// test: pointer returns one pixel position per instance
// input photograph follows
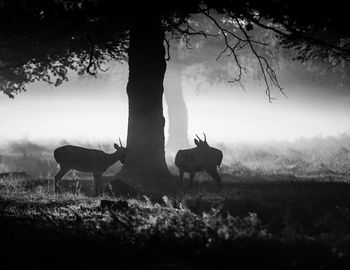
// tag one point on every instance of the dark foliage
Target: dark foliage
(43, 40)
(270, 225)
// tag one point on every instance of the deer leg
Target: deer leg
(192, 174)
(181, 174)
(58, 178)
(214, 174)
(98, 184)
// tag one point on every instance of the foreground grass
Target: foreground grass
(273, 225)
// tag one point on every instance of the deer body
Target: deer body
(71, 157)
(201, 158)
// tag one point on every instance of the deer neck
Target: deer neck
(112, 158)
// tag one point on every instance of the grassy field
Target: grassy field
(270, 222)
(283, 206)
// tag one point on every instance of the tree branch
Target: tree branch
(341, 51)
(92, 64)
(267, 71)
(232, 50)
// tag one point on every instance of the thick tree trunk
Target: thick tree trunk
(145, 162)
(177, 110)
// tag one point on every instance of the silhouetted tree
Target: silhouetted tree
(177, 109)
(43, 39)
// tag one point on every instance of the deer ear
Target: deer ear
(116, 146)
(196, 142)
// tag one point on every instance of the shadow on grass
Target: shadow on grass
(305, 225)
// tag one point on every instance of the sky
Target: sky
(86, 109)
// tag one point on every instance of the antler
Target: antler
(121, 145)
(205, 137)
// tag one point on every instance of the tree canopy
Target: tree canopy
(43, 39)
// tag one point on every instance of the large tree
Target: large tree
(43, 39)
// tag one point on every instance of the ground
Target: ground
(270, 222)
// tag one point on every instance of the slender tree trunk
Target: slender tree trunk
(177, 110)
(145, 162)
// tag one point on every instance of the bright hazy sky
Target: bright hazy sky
(87, 109)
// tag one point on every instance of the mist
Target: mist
(321, 157)
(88, 110)
(238, 117)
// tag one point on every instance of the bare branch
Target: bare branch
(266, 70)
(186, 39)
(92, 64)
(269, 75)
(100, 68)
(232, 49)
(221, 53)
(190, 31)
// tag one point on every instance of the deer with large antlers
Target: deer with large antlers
(94, 161)
(201, 158)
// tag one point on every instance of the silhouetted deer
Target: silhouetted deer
(201, 158)
(81, 159)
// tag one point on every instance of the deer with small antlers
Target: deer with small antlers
(201, 158)
(94, 161)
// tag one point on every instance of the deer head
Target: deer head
(200, 142)
(120, 151)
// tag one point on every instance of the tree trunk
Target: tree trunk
(145, 161)
(177, 110)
